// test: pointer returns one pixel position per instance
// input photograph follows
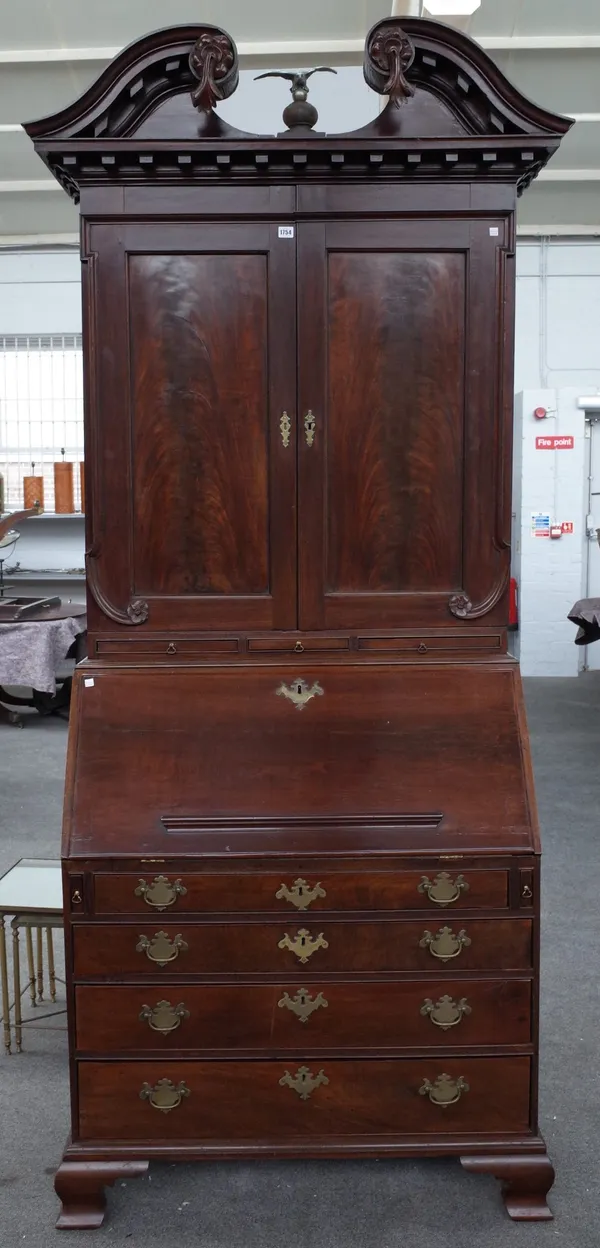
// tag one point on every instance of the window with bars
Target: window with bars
(41, 412)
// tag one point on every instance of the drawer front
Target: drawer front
(447, 643)
(283, 947)
(168, 646)
(297, 645)
(300, 892)
(316, 1015)
(294, 1100)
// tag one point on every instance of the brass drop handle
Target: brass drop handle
(303, 1004)
(300, 894)
(444, 890)
(303, 944)
(527, 891)
(445, 1090)
(171, 648)
(310, 426)
(303, 1082)
(165, 1095)
(445, 1013)
(160, 893)
(445, 945)
(161, 949)
(163, 1016)
(76, 898)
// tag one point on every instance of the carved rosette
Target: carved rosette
(389, 53)
(461, 606)
(138, 611)
(214, 62)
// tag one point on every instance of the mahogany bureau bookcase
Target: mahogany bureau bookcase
(301, 856)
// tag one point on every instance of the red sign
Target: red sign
(567, 526)
(555, 443)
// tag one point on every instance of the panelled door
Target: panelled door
(194, 477)
(399, 423)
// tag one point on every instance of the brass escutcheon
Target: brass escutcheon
(303, 1004)
(303, 1082)
(161, 893)
(163, 1016)
(310, 426)
(285, 426)
(303, 944)
(300, 894)
(444, 889)
(445, 1091)
(445, 1013)
(161, 949)
(299, 692)
(165, 1095)
(445, 944)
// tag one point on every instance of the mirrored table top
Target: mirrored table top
(32, 884)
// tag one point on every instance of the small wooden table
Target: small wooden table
(31, 891)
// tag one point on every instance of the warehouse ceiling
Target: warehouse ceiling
(50, 50)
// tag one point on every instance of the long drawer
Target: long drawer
(301, 891)
(279, 1100)
(281, 1016)
(244, 947)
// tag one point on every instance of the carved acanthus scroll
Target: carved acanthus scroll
(214, 62)
(461, 606)
(389, 53)
(137, 609)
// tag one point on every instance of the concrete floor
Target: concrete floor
(340, 1204)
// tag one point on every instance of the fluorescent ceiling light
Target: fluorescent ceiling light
(452, 8)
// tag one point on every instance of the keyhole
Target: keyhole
(299, 688)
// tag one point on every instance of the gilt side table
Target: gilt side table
(31, 891)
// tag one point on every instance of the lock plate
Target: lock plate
(299, 692)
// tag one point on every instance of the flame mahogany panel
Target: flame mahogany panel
(395, 421)
(198, 331)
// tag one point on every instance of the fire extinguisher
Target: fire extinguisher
(513, 605)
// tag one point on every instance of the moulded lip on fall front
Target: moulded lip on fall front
(216, 761)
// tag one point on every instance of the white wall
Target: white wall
(40, 292)
(557, 359)
(550, 573)
(558, 314)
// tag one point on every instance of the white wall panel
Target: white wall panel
(40, 291)
(558, 315)
(550, 572)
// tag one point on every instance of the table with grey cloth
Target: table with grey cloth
(586, 613)
(31, 652)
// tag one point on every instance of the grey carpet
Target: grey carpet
(340, 1204)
